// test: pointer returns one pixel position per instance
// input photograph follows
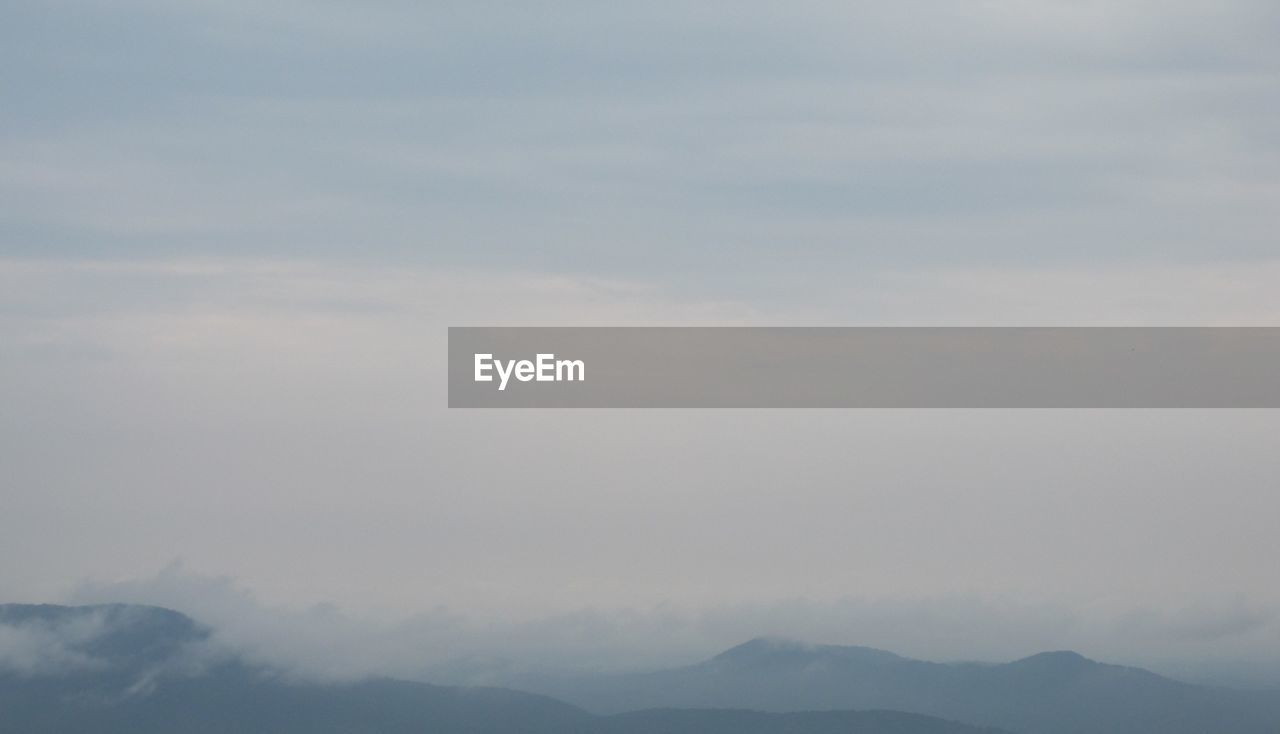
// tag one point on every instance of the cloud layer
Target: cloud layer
(713, 147)
(1224, 640)
(232, 235)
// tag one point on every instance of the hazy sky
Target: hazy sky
(232, 235)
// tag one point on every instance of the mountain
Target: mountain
(120, 669)
(1049, 693)
(731, 721)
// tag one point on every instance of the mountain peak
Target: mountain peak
(773, 651)
(1057, 660)
(766, 645)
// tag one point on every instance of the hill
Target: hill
(1049, 693)
(144, 670)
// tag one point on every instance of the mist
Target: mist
(232, 237)
(1222, 641)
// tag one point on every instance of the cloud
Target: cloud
(661, 140)
(451, 646)
(125, 651)
(40, 648)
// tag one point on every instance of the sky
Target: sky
(232, 235)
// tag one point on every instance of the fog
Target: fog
(1226, 641)
(305, 455)
(232, 238)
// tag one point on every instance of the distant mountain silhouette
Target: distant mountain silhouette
(144, 670)
(731, 721)
(1049, 693)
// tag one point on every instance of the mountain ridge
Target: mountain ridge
(139, 670)
(111, 669)
(1054, 692)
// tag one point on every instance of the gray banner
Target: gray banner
(856, 367)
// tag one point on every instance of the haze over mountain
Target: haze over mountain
(117, 669)
(1049, 693)
(138, 669)
(234, 233)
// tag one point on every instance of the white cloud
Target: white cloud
(1220, 636)
(40, 648)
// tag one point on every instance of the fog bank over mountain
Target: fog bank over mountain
(149, 670)
(140, 669)
(233, 234)
(1224, 643)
